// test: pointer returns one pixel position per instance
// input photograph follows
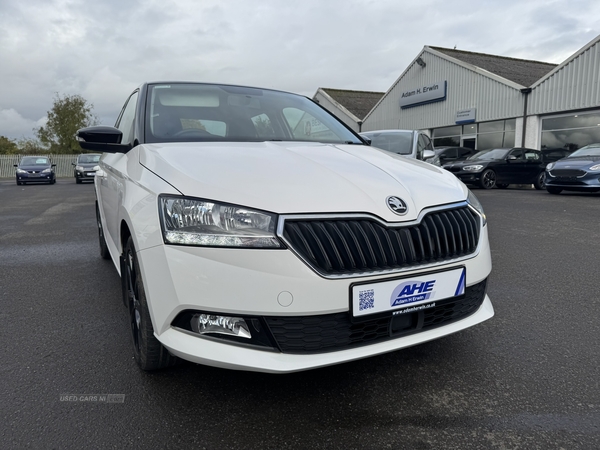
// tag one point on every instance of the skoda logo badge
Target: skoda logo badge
(397, 205)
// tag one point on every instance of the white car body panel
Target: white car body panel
(231, 357)
(343, 178)
(290, 179)
(182, 277)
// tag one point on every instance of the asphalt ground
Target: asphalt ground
(526, 379)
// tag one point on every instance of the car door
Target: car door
(512, 169)
(533, 165)
(110, 180)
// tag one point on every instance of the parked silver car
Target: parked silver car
(409, 143)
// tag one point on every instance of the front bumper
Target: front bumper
(85, 175)
(213, 353)
(273, 284)
(468, 177)
(33, 177)
(590, 182)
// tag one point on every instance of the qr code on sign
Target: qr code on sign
(366, 299)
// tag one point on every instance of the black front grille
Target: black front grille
(345, 247)
(332, 332)
(567, 173)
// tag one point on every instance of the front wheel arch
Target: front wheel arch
(540, 181)
(149, 353)
(488, 179)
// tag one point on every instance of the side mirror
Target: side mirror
(512, 157)
(428, 154)
(102, 138)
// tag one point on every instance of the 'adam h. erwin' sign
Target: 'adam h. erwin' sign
(434, 92)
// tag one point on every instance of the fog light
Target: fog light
(232, 326)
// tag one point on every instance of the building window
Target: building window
(447, 136)
(571, 132)
(496, 134)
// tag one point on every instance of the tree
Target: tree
(29, 146)
(7, 146)
(68, 114)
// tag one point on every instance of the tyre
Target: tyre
(103, 247)
(502, 185)
(149, 353)
(540, 181)
(553, 190)
(78, 180)
(488, 179)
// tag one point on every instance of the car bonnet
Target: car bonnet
(295, 177)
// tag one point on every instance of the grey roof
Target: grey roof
(521, 71)
(358, 103)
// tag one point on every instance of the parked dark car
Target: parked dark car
(580, 171)
(447, 155)
(554, 154)
(500, 167)
(84, 166)
(37, 169)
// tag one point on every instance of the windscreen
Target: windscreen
(34, 161)
(392, 141)
(497, 153)
(588, 150)
(206, 112)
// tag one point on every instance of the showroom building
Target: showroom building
(484, 101)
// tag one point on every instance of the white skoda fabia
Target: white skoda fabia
(253, 230)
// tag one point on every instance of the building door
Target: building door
(469, 142)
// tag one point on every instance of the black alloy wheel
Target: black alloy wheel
(148, 352)
(488, 179)
(540, 181)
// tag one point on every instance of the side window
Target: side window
(532, 155)
(428, 142)
(516, 154)
(264, 128)
(464, 152)
(305, 127)
(423, 143)
(450, 153)
(125, 122)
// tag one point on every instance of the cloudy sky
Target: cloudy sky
(103, 49)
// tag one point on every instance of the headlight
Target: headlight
(595, 168)
(48, 170)
(475, 168)
(476, 205)
(190, 221)
(21, 171)
(79, 168)
(550, 166)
